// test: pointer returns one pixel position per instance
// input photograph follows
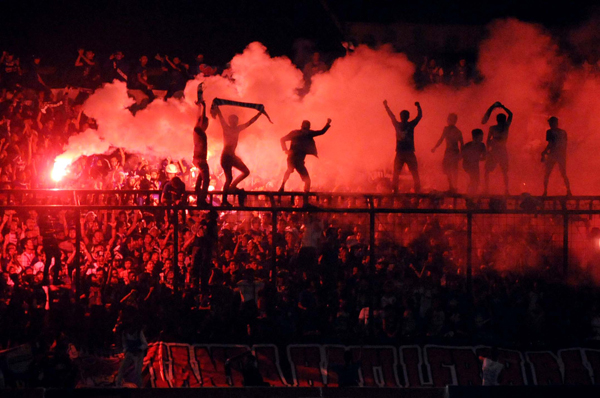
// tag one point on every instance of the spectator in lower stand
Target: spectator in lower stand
(28, 256)
(134, 347)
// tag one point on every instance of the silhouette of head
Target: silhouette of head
(501, 118)
(553, 122)
(452, 118)
(348, 357)
(305, 125)
(143, 60)
(233, 120)
(404, 115)
(477, 135)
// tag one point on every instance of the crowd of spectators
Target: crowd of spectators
(235, 279)
(320, 283)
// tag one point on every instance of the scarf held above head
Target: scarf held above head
(219, 101)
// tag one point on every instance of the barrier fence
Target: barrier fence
(565, 228)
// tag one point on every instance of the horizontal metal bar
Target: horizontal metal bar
(312, 209)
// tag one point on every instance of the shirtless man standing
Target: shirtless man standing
(229, 160)
(200, 157)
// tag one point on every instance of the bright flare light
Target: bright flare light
(59, 171)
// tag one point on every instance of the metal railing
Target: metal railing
(563, 209)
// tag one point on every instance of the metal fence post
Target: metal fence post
(565, 243)
(470, 255)
(77, 253)
(372, 262)
(273, 245)
(174, 214)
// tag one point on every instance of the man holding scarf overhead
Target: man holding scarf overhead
(231, 135)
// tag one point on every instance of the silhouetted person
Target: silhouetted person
(134, 347)
(138, 80)
(348, 372)
(491, 368)
(496, 143)
(173, 192)
(247, 364)
(229, 160)
(200, 156)
(302, 144)
(472, 153)
(405, 145)
(555, 153)
(454, 144)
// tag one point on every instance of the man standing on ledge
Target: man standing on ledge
(302, 144)
(229, 160)
(405, 145)
(496, 144)
(200, 156)
(555, 153)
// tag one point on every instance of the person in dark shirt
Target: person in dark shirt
(302, 144)
(348, 373)
(10, 72)
(200, 156)
(496, 143)
(34, 81)
(117, 67)
(472, 153)
(460, 74)
(405, 145)
(178, 75)
(173, 192)
(454, 144)
(229, 160)
(247, 365)
(87, 68)
(555, 153)
(139, 79)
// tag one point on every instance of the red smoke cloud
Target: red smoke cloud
(520, 63)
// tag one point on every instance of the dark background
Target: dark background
(219, 29)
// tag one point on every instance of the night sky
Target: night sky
(220, 29)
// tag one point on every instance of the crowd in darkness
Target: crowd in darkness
(228, 284)
(319, 285)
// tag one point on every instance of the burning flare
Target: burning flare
(59, 171)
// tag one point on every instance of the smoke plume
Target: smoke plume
(521, 66)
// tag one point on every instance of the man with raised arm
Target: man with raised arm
(454, 145)
(496, 143)
(405, 145)
(200, 156)
(555, 153)
(229, 160)
(302, 144)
